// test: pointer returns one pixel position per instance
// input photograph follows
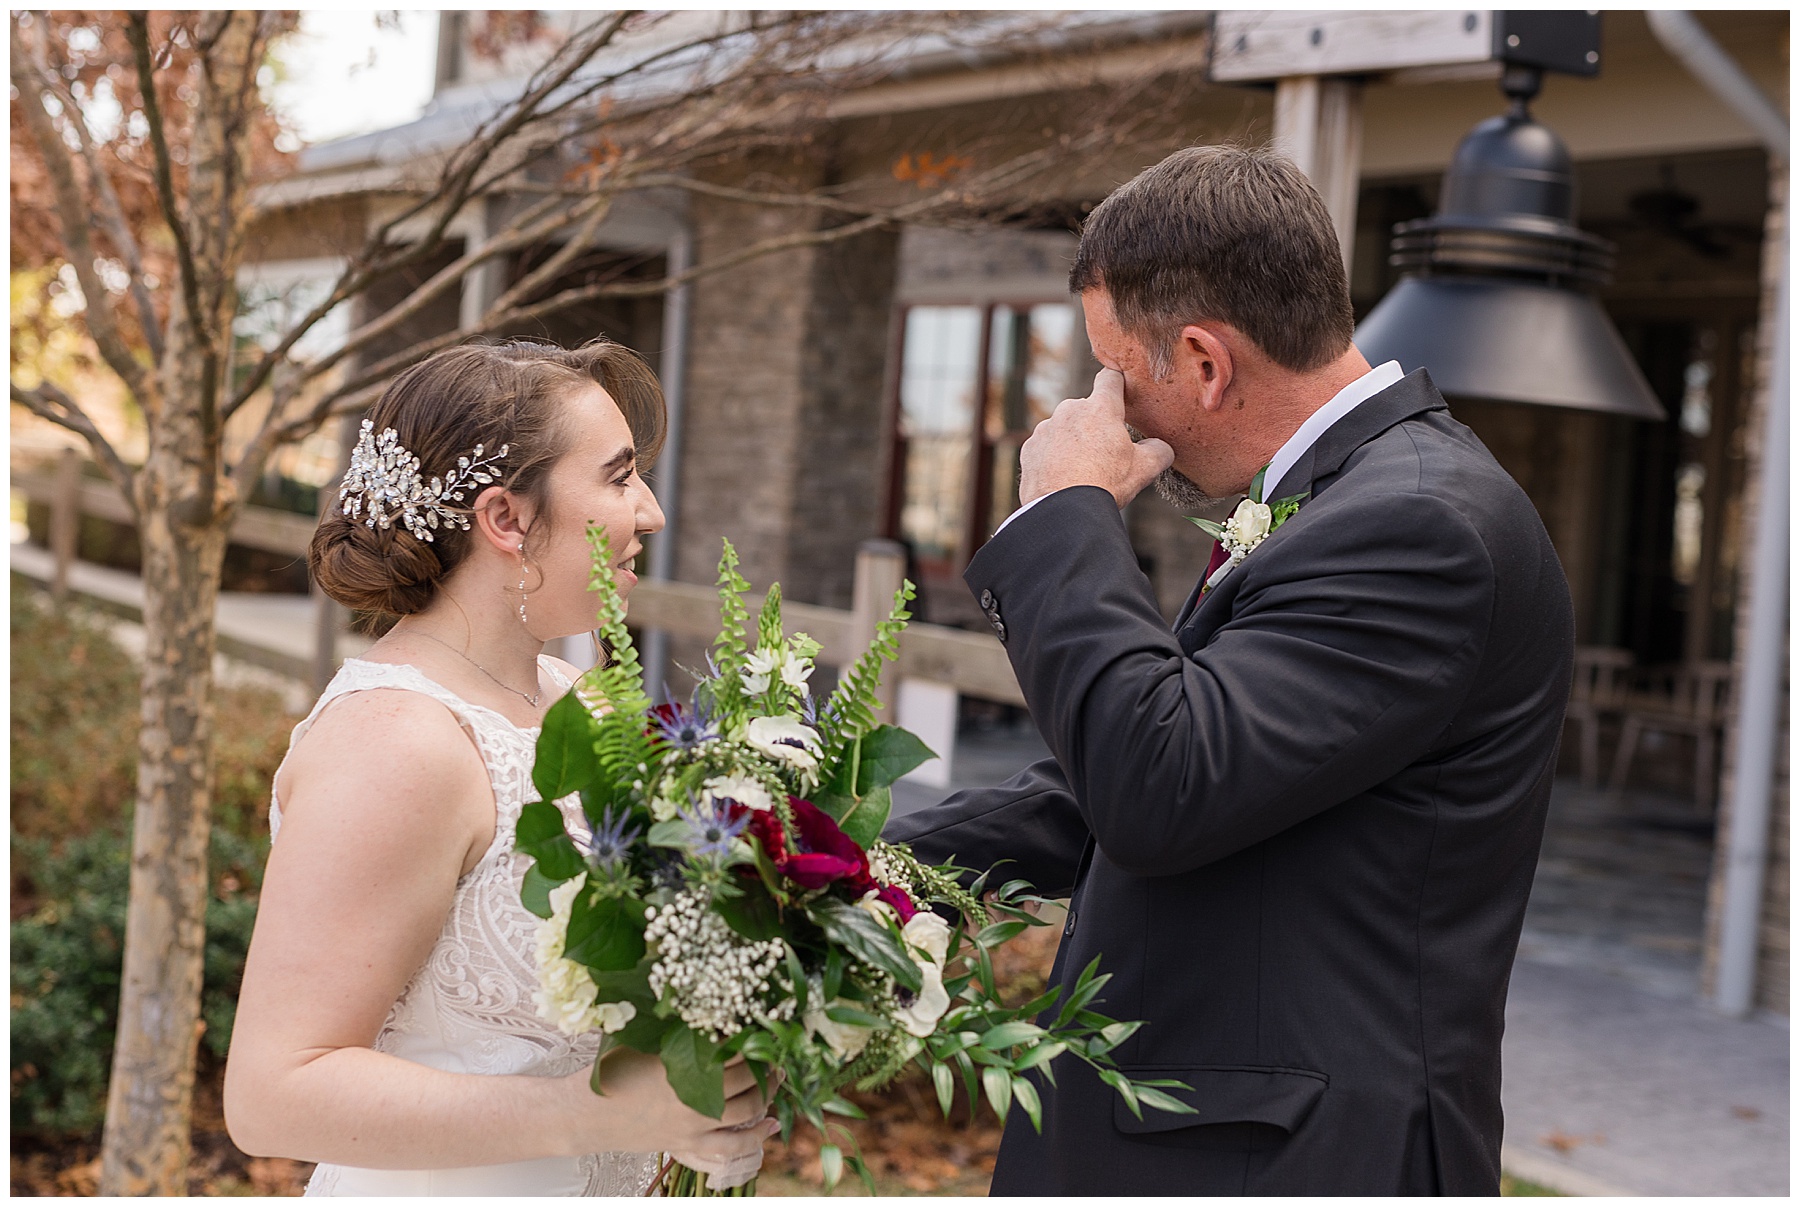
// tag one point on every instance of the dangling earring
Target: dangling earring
(522, 582)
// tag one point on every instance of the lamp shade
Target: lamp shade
(1508, 341)
(1495, 296)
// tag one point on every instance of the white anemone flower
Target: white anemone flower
(928, 941)
(785, 740)
(565, 992)
(743, 789)
(846, 1040)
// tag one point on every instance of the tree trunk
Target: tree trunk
(149, 1100)
(186, 504)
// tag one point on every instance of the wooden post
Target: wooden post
(65, 521)
(1318, 124)
(880, 568)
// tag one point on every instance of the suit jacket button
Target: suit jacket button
(987, 601)
(999, 629)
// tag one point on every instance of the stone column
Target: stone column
(784, 402)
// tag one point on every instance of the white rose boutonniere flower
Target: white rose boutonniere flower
(1247, 527)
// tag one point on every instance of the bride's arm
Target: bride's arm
(384, 804)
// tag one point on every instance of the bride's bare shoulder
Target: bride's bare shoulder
(393, 742)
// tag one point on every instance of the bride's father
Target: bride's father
(1299, 828)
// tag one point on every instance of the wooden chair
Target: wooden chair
(1602, 675)
(1694, 705)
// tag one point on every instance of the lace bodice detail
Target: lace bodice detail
(469, 1008)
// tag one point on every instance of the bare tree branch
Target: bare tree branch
(533, 225)
(380, 256)
(73, 219)
(111, 213)
(137, 25)
(459, 182)
(48, 402)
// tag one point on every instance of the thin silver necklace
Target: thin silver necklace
(532, 699)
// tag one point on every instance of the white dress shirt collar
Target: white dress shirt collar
(1342, 403)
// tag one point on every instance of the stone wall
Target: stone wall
(782, 444)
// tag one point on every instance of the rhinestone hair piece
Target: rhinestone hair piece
(384, 481)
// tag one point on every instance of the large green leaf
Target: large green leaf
(535, 892)
(862, 819)
(752, 914)
(857, 797)
(645, 1031)
(607, 934)
(888, 753)
(565, 749)
(696, 1073)
(540, 834)
(858, 932)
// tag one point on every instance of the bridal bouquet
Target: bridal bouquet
(730, 896)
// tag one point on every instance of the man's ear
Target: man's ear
(1204, 361)
(502, 518)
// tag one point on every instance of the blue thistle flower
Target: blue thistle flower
(712, 829)
(610, 839)
(686, 728)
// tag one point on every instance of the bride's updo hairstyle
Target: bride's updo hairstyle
(509, 394)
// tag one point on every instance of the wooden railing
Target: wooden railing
(973, 664)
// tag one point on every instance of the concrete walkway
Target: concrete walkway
(272, 631)
(1617, 1081)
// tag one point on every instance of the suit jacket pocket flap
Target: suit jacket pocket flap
(1226, 1094)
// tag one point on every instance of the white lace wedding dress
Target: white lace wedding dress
(468, 1009)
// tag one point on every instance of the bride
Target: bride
(386, 1026)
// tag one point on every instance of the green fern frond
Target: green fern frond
(620, 679)
(622, 748)
(850, 713)
(730, 646)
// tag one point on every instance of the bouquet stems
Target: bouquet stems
(676, 1181)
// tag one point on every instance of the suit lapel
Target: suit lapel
(1411, 395)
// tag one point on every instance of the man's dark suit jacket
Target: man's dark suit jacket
(1299, 829)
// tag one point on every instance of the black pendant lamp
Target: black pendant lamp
(1496, 300)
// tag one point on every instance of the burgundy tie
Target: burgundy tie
(1219, 558)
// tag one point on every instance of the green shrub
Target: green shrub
(74, 752)
(75, 710)
(74, 721)
(66, 958)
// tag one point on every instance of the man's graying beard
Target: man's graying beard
(1177, 488)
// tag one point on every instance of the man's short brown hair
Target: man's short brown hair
(1226, 233)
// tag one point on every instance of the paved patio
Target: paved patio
(1617, 1080)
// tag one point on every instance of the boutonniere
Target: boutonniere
(1247, 527)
